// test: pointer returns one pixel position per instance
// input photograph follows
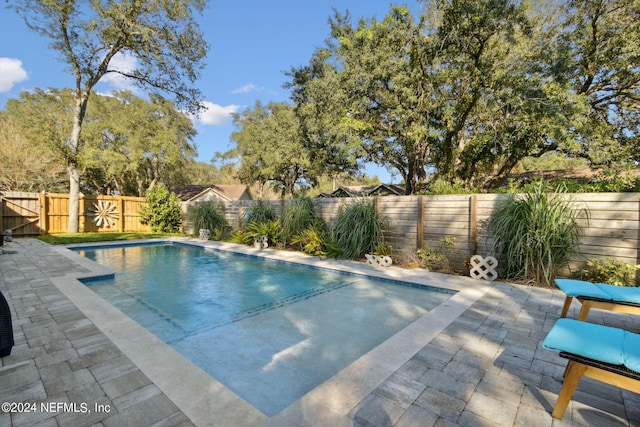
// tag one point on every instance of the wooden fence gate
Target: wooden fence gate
(20, 213)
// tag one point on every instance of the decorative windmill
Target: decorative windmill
(105, 213)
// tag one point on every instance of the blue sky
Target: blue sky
(252, 44)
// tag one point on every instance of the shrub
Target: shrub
(534, 235)
(162, 211)
(438, 259)
(358, 229)
(210, 216)
(261, 212)
(313, 240)
(271, 229)
(611, 271)
(298, 216)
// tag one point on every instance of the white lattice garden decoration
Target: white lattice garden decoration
(104, 213)
(483, 268)
(205, 234)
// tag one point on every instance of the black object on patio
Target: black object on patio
(6, 328)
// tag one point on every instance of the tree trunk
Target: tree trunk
(74, 198)
(75, 147)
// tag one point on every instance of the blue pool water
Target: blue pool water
(270, 331)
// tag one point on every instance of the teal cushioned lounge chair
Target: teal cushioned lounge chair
(620, 299)
(606, 354)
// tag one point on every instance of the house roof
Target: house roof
(228, 192)
(366, 190)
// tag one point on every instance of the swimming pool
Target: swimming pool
(268, 330)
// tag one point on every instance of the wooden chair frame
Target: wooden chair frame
(589, 303)
(578, 366)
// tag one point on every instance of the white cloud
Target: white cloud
(249, 87)
(124, 63)
(11, 72)
(216, 115)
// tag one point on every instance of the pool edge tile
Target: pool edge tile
(194, 391)
(330, 403)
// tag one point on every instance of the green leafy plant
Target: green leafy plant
(210, 216)
(611, 271)
(383, 249)
(162, 211)
(299, 215)
(358, 229)
(438, 259)
(534, 234)
(313, 240)
(271, 229)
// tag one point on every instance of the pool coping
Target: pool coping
(208, 402)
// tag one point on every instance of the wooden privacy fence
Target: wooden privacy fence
(610, 221)
(29, 214)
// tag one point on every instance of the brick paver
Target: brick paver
(69, 372)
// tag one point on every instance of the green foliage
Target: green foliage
(71, 238)
(470, 88)
(383, 249)
(613, 181)
(313, 240)
(611, 271)
(78, 30)
(358, 229)
(299, 215)
(261, 212)
(534, 235)
(438, 259)
(211, 217)
(162, 211)
(271, 229)
(442, 186)
(129, 143)
(269, 143)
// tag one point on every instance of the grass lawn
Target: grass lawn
(70, 238)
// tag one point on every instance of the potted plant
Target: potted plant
(382, 255)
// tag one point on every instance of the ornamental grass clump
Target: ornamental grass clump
(358, 229)
(534, 235)
(261, 212)
(209, 216)
(299, 215)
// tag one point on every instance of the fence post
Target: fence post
(44, 213)
(473, 226)
(120, 208)
(420, 223)
(82, 215)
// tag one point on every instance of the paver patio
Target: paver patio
(486, 368)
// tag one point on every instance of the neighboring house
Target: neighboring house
(209, 193)
(366, 190)
(191, 195)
